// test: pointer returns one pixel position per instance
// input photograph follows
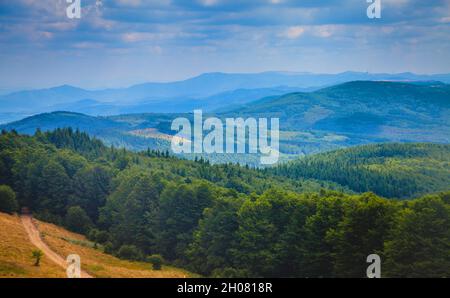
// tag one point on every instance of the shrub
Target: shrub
(37, 255)
(230, 272)
(92, 235)
(77, 220)
(97, 237)
(102, 237)
(129, 252)
(156, 260)
(8, 202)
(108, 248)
(45, 215)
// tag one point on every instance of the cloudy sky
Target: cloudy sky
(122, 42)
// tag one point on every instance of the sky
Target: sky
(117, 43)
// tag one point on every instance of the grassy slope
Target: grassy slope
(16, 249)
(15, 254)
(96, 262)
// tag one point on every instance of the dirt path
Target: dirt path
(36, 239)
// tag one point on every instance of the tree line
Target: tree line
(218, 220)
(391, 170)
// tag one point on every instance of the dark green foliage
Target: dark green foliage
(129, 252)
(8, 202)
(77, 220)
(230, 272)
(421, 230)
(92, 234)
(389, 170)
(108, 248)
(91, 186)
(363, 229)
(156, 260)
(102, 237)
(98, 236)
(131, 211)
(215, 238)
(181, 209)
(73, 140)
(37, 256)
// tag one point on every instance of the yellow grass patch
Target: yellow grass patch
(97, 263)
(16, 250)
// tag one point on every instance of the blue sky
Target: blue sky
(123, 42)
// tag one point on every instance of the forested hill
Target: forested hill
(354, 113)
(389, 170)
(218, 220)
(389, 111)
(81, 149)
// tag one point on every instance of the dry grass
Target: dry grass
(16, 250)
(97, 263)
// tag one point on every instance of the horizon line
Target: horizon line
(285, 72)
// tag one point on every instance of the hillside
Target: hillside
(353, 113)
(16, 248)
(389, 170)
(112, 132)
(215, 220)
(49, 121)
(364, 110)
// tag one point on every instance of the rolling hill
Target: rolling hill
(385, 110)
(224, 220)
(353, 113)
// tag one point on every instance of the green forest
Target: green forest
(393, 170)
(304, 219)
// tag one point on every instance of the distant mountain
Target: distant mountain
(388, 111)
(41, 99)
(224, 100)
(344, 115)
(50, 121)
(112, 131)
(208, 91)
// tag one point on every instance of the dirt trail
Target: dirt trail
(36, 239)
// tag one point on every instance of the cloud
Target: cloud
(209, 2)
(325, 31)
(294, 32)
(201, 35)
(134, 3)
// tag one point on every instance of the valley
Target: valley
(363, 168)
(208, 140)
(349, 114)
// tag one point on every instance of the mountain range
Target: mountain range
(343, 115)
(210, 92)
(387, 110)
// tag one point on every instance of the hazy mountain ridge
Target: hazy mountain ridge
(348, 114)
(208, 91)
(385, 110)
